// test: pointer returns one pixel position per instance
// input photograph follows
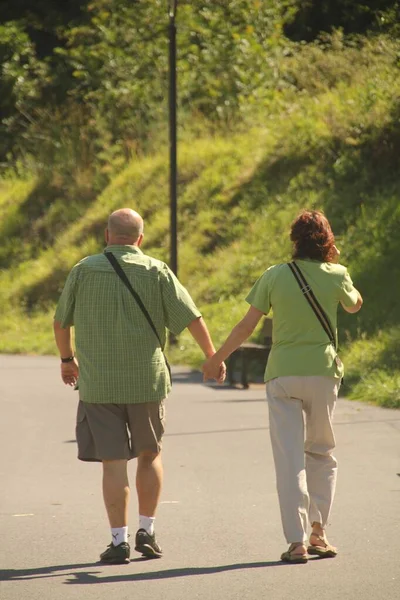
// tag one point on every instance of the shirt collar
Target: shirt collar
(123, 248)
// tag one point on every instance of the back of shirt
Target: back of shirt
(300, 345)
(120, 359)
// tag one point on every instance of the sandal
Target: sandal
(323, 551)
(290, 557)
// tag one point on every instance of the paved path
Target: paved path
(218, 522)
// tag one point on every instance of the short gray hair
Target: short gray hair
(125, 224)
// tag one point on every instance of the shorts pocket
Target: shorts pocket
(81, 413)
(161, 416)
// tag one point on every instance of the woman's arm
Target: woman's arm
(356, 307)
(238, 335)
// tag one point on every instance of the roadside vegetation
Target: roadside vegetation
(276, 114)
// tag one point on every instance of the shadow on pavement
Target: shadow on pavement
(89, 577)
(241, 400)
(213, 431)
(187, 376)
(42, 572)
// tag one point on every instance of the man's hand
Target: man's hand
(70, 372)
(212, 369)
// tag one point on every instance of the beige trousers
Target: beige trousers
(305, 468)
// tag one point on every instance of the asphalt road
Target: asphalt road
(218, 522)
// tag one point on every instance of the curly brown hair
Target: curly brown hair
(312, 237)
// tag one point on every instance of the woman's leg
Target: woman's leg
(321, 465)
(287, 439)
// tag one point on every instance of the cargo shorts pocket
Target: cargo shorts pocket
(162, 416)
(84, 437)
(161, 411)
(81, 413)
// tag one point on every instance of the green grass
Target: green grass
(373, 368)
(332, 143)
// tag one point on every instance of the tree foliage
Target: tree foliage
(314, 17)
(101, 67)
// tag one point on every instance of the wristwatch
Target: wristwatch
(68, 359)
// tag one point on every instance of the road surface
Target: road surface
(218, 522)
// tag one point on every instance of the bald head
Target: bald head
(125, 226)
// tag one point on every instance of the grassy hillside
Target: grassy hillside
(330, 140)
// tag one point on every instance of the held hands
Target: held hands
(70, 372)
(213, 369)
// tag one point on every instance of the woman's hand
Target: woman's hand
(212, 369)
(337, 255)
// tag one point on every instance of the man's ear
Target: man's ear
(140, 240)
(106, 235)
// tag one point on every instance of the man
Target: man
(122, 373)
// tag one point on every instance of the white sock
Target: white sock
(119, 535)
(147, 523)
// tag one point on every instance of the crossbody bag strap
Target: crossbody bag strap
(313, 302)
(121, 274)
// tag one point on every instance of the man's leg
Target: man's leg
(102, 436)
(146, 427)
(116, 492)
(149, 477)
(116, 499)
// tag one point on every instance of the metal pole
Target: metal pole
(172, 137)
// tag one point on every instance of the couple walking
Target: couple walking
(120, 304)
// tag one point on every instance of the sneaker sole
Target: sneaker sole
(116, 561)
(148, 551)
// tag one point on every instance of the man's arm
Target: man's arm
(356, 307)
(69, 370)
(199, 331)
(63, 339)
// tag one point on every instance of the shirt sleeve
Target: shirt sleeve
(348, 293)
(259, 295)
(179, 308)
(66, 304)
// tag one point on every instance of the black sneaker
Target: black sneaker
(116, 555)
(147, 545)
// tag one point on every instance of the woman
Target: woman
(303, 377)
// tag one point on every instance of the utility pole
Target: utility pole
(173, 138)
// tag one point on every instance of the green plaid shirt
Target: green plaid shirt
(120, 360)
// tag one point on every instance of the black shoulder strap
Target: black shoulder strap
(313, 302)
(121, 274)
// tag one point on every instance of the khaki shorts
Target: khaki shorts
(118, 431)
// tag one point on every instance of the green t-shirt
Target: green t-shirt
(300, 345)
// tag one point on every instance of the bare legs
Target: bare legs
(149, 477)
(116, 490)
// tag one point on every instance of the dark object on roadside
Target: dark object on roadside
(248, 352)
